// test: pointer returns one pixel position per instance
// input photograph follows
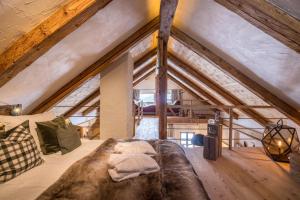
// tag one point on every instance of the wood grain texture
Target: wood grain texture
(166, 13)
(82, 103)
(150, 55)
(137, 81)
(143, 70)
(275, 25)
(239, 76)
(91, 108)
(217, 88)
(98, 66)
(38, 41)
(201, 91)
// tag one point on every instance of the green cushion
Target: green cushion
(68, 139)
(47, 134)
(4, 134)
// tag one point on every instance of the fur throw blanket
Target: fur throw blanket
(88, 179)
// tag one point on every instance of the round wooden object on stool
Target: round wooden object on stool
(295, 166)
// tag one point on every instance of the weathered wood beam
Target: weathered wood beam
(98, 66)
(137, 81)
(144, 70)
(187, 89)
(273, 21)
(190, 91)
(166, 13)
(35, 43)
(91, 108)
(217, 88)
(232, 71)
(150, 55)
(198, 89)
(82, 103)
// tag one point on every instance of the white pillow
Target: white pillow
(135, 147)
(13, 121)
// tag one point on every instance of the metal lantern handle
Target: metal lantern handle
(280, 124)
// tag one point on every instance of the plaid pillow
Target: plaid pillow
(18, 153)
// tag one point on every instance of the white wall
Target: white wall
(116, 113)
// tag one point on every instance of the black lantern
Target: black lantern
(279, 141)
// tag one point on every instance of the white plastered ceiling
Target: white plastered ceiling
(255, 53)
(252, 51)
(101, 33)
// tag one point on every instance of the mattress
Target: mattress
(32, 183)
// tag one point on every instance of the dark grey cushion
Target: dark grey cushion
(68, 139)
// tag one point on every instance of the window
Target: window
(186, 139)
(147, 98)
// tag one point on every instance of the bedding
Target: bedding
(13, 121)
(125, 166)
(88, 178)
(32, 183)
(68, 139)
(134, 147)
(18, 153)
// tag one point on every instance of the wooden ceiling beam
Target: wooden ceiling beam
(190, 91)
(233, 72)
(91, 108)
(166, 13)
(269, 18)
(150, 55)
(38, 41)
(198, 89)
(144, 70)
(217, 88)
(82, 103)
(97, 67)
(137, 81)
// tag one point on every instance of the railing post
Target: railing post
(230, 128)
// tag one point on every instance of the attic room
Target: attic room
(149, 99)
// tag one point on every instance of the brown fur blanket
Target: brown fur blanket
(88, 178)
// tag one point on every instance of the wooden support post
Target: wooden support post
(166, 13)
(230, 129)
(161, 89)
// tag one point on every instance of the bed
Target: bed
(87, 178)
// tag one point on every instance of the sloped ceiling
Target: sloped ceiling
(255, 53)
(19, 17)
(77, 51)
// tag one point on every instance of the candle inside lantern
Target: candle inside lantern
(279, 145)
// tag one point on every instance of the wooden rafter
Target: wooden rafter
(144, 70)
(166, 13)
(201, 91)
(190, 91)
(91, 108)
(39, 40)
(82, 103)
(137, 81)
(269, 18)
(98, 66)
(232, 71)
(150, 55)
(217, 88)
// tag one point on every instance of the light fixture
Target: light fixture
(13, 110)
(16, 110)
(280, 141)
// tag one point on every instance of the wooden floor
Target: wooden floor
(243, 173)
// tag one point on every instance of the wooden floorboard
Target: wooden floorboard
(241, 174)
(244, 174)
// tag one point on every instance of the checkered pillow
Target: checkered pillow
(18, 153)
